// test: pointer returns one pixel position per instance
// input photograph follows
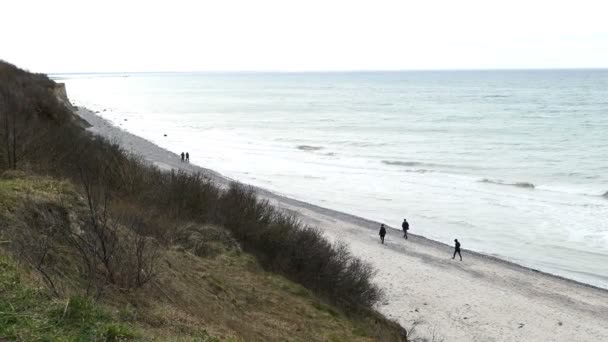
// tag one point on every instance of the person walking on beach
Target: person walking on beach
(183, 157)
(187, 157)
(457, 249)
(405, 226)
(382, 233)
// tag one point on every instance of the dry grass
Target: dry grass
(231, 296)
(206, 287)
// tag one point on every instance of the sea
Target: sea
(512, 163)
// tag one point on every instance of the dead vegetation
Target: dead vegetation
(203, 284)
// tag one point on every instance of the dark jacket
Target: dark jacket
(405, 225)
(457, 246)
(382, 231)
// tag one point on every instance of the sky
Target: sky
(308, 35)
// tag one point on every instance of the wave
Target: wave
(402, 163)
(365, 144)
(419, 164)
(420, 171)
(605, 194)
(419, 167)
(496, 96)
(500, 182)
(309, 148)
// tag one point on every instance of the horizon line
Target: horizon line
(278, 71)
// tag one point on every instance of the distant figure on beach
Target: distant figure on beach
(187, 157)
(405, 226)
(382, 233)
(183, 155)
(457, 249)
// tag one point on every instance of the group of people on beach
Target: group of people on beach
(406, 226)
(185, 157)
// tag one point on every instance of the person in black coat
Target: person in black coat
(405, 226)
(457, 249)
(382, 233)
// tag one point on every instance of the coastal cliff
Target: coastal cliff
(62, 95)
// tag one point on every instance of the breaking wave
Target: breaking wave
(500, 182)
(419, 170)
(605, 194)
(309, 148)
(400, 163)
(411, 163)
(427, 167)
(496, 96)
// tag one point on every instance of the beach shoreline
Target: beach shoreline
(483, 298)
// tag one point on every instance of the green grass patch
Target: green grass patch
(29, 314)
(325, 308)
(32, 184)
(14, 189)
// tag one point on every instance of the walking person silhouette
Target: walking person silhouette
(457, 249)
(187, 157)
(405, 226)
(183, 155)
(382, 233)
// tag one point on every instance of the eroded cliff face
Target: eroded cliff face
(62, 95)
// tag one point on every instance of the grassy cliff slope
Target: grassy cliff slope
(205, 287)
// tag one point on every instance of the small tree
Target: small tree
(21, 133)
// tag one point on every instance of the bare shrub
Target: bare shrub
(118, 241)
(138, 258)
(298, 251)
(36, 242)
(100, 234)
(113, 250)
(185, 196)
(205, 241)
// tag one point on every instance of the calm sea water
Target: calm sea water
(512, 163)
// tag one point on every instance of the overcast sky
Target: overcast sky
(181, 35)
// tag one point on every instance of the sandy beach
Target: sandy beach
(479, 299)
